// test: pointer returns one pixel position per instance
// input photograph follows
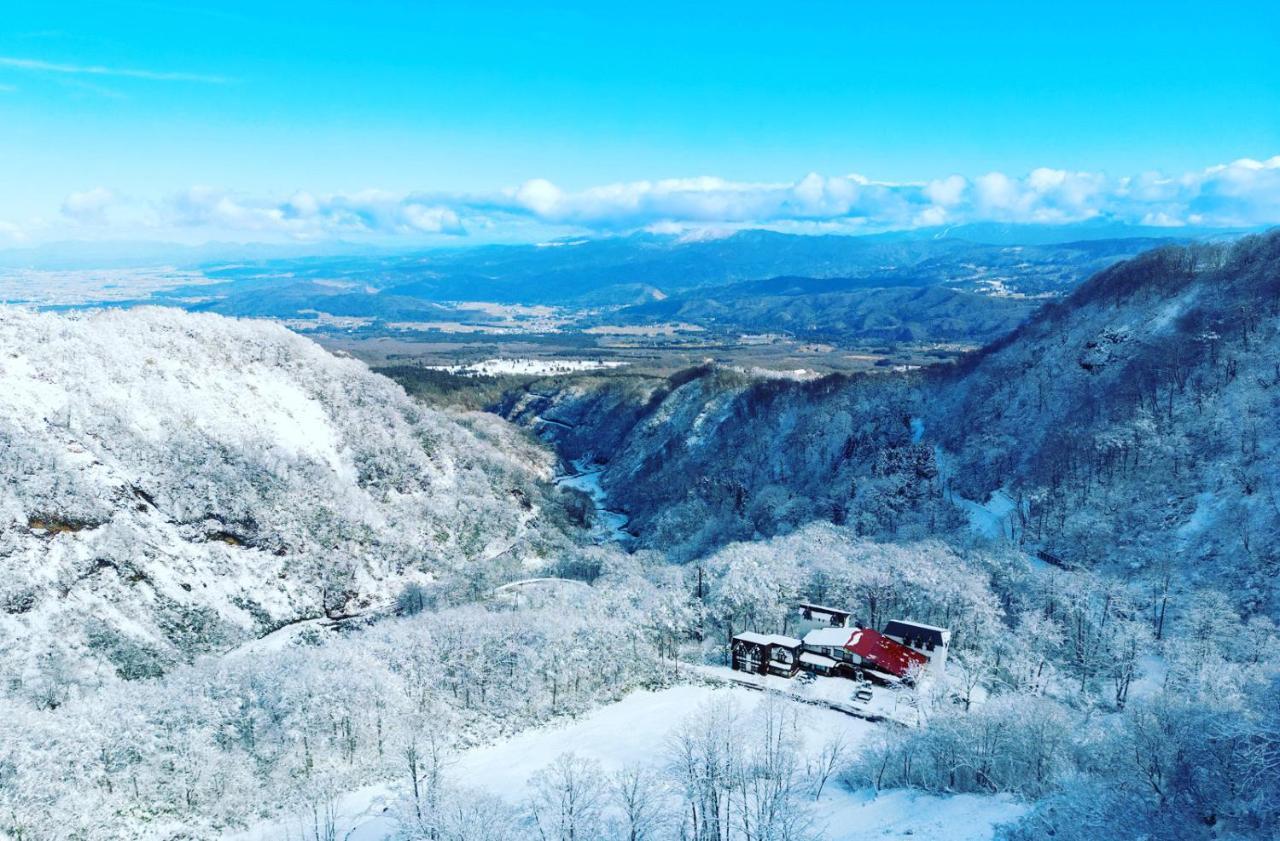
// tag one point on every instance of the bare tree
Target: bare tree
(568, 799)
(424, 755)
(704, 755)
(478, 816)
(830, 759)
(770, 783)
(639, 794)
(969, 668)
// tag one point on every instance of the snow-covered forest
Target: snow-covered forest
(250, 589)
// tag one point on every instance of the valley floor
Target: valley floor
(611, 525)
(635, 731)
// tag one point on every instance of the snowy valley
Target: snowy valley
(655, 421)
(251, 589)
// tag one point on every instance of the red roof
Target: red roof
(882, 653)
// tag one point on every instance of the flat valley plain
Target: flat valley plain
(658, 350)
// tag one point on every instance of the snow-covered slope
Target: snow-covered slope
(637, 731)
(1135, 419)
(177, 484)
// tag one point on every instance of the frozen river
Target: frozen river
(611, 525)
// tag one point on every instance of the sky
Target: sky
(424, 122)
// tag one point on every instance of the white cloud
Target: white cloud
(307, 216)
(1241, 193)
(40, 66)
(946, 192)
(432, 220)
(88, 206)
(540, 196)
(11, 234)
(931, 217)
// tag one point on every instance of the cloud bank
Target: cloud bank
(1245, 193)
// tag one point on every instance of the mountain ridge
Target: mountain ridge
(180, 484)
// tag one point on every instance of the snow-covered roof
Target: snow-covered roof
(921, 625)
(903, 628)
(880, 652)
(817, 660)
(828, 637)
(767, 639)
(824, 609)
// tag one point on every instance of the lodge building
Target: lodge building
(819, 614)
(929, 640)
(766, 654)
(895, 657)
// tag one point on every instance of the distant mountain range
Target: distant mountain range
(89, 254)
(969, 283)
(626, 270)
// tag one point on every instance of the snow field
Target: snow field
(528, 367)
(635, 731)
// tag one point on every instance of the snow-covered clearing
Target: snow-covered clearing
(901, 814)
(635, 731)
(837, 693)
(797, 374)
(993, 518)
(1153, 673)
(1208, 508)
(529, 367)
(917, 430)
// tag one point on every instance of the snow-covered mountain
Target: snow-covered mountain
(1135, 420)
(177, 484)
(1129, 426)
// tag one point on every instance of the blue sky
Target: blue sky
(418, 120)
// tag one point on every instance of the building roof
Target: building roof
(904, 628)
(817, 660)
(875, 649)
(825, 609)
(828, 637)
(880, 652)
(767, 639)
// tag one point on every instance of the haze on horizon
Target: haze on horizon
(392, 123)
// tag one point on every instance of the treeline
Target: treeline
(1058, 683)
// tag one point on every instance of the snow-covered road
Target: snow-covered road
(993, 519)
